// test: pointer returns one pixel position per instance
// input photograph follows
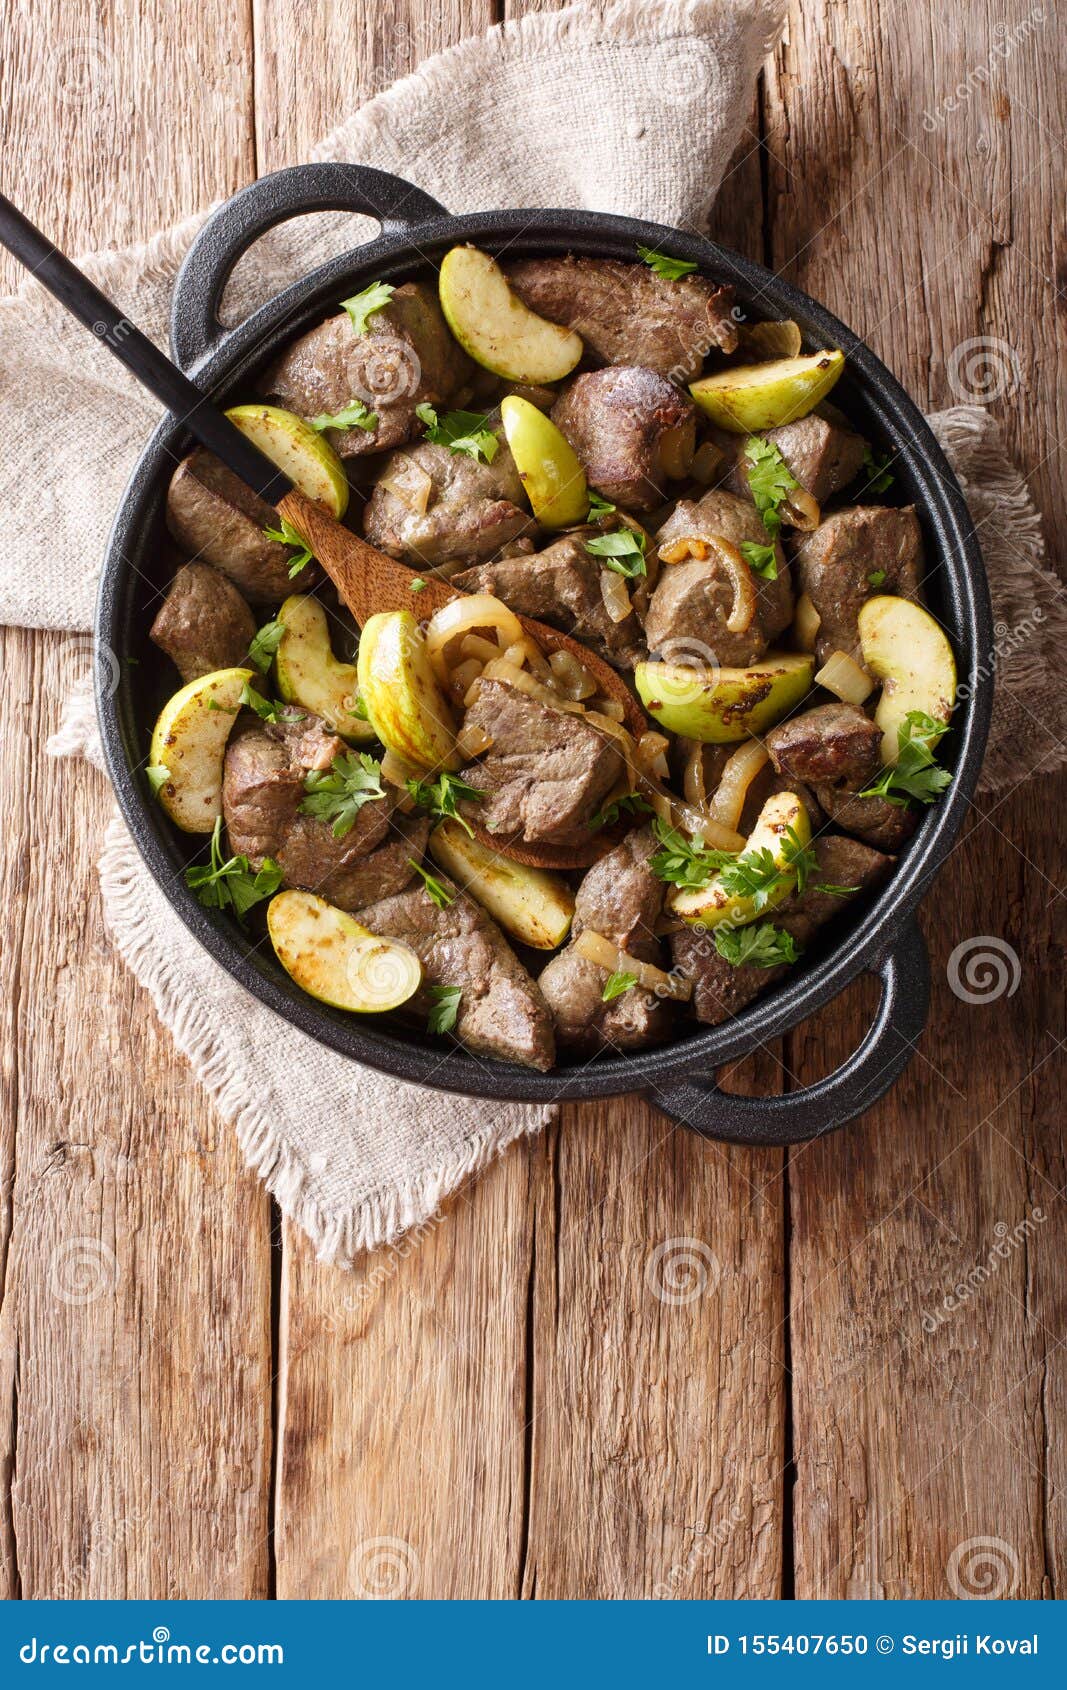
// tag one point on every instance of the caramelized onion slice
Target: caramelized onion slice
(805, 624)
(569, 676)
(615, 596)
(501, 670)
(741, 769)
(800, 510)
(465, 616)
(842, 676)
(595, 948)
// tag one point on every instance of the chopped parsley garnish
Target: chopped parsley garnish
(624, 552)
(630, 804)
(158, 775)
(362, 305)
(337, 794)
(770, 481)
(353, 415)
(416, 584)
(877, 470)
(441, 896)
(359, 710)
(288, 536)
(684, 863)
(440, 796)
(762, 945)
(876, 578)
(232, 884)
(760, 559)
(599, 506)
(616, 984)
(442, 1016)
(265, 644)
(915, 774)
(267, 709)
(460, 431)
(671, 268)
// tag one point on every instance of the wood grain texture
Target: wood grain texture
(134, 1336)
(920, 1429)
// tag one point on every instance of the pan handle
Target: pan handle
(194, 322)
(860, 1081)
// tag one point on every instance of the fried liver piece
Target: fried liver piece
(216, 517)
(632, 430)
(852, 556)
(473, 509)
(203, 624)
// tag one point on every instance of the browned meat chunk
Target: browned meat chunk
(721, 989)
(626, 314)
(212, 514)
(405, 358)
(834, 742)
(203, 624)
(884, 825)
(632, 430)
(621, 898)
(262, 790)
(824, 456)
(501, 1011)
(692, 601)
(547, 772)
(471, 511)
(854, 554)
(561, 586)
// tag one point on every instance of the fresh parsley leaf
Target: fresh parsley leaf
(684, 863)
(441, 896)
(616, 984)
(671, 268)
(265, 708)
(338, 793)
(877, 470)
(158, 775)
(761, 945)
(288, 536)
(834, 891)
(440, 796)
(359, 710)
(599, 506)
(442, 1016)
(353, 415)
(770, 481)
(624, 552)
(227, 709)
(754, 875)
(265, 644)
(416, 584)
(630, 804)
(915, 774)
(876, 578)
(800, 860)
(760, 559)
(361, 305)
(232, 884)
(461, 431)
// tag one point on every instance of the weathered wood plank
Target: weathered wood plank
(924, 232)
(135, 1325)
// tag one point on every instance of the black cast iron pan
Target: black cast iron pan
(882, 937)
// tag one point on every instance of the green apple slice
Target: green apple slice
(188, 746)
(781, 827)
(305, 457)
(494, 326)
(402, 696)
(748, 398)
(334, 959)
(310, 675)
(532, 905)
(905, 649)
(548, 465)
(719, 706)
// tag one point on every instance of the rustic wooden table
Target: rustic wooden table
(508, 1409)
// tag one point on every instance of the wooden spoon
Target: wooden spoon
(369, 581)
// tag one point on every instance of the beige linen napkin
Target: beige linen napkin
(353, 1157)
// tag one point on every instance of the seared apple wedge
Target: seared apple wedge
(305, 457)
(530, 904)
(547, 463)
(494, 326)
(310, 675)
(719, 706)
(760, 878)
(402, 696)
(748, 398)
(188, 746)
(905, 649)
(334, 959)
